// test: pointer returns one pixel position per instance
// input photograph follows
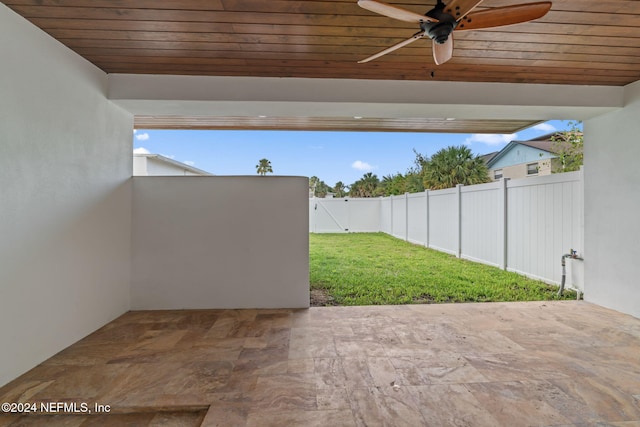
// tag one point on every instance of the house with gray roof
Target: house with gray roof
(521, 159)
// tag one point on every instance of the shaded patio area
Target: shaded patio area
(555, 363)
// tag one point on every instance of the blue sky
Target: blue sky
(331, 156)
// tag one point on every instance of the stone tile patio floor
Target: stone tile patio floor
(561, 363)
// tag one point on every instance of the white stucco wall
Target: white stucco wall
(220, 242)
(65, 199)
(612, 207)
(140, 166)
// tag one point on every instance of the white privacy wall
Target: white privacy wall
(361, 217)
(330, 216)
(482, 227)
(443, 220)
(545, 221)
(65, 201)
(523, 225)
(612, 207)
(399, 217)
(342, 215)
(417, 219)
(385, 215)
(220, 242)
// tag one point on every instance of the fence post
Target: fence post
(426, 198)
(348, 228)
(581, 203)
(459, 219)
(313, 214)
(502, 224)
(391, 213)
(380, 215)
(406, 217)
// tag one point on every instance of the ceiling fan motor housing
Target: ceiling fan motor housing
(439, 31)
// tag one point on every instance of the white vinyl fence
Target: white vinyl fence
(523, 225)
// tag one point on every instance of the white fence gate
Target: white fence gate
(523, 225)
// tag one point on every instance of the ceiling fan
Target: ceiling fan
(439, 23)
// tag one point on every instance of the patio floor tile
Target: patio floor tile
(561, 363)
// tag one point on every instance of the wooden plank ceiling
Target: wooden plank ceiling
(579, 42)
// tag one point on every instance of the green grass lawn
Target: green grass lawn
(374, 268)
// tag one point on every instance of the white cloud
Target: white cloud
(168, 156)
(142, 136)
(545, 127)
(141, 150)
(490, 138)
(189, 163)
(362, 166)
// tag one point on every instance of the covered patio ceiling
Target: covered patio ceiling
(579, 43)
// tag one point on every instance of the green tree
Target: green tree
(318, 187)
(414, 182)
(264, 167)
(414, 179)
(355, 189)
(392, 185)
(322, 189)
(340, 189)
(452, 166)
(365, 186)
(313, 183)
(569, 146)
(419, 163)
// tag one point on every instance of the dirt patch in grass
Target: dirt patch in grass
(423, 299)
(321, 298)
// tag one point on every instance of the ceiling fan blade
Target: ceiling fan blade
(394, 11)
(415, 37)
(443, 52)
(507, 15)
(459, 8)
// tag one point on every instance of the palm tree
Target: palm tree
(413, 182)
(340, 189)
(452, 166)
(365, 186)
(264, 167)
(313, 184)
(392, 185)
(317, 187)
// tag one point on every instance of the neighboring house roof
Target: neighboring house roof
(172, 162)
(541, 143)
(486, 158)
